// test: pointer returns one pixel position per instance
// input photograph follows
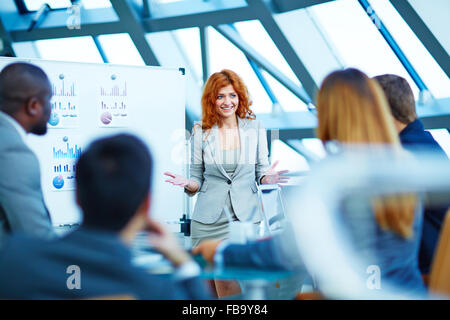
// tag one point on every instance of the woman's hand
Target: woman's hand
(274, 177)
(176, 179)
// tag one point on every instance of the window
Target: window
(431, 73)
(287, 100)
(120, 49)
(435, 16)
(256, 36)
(189, 42)
(288, 159)
(442, 136)
(315, 145)
(78, 49)
(357, 41)
(95, 4)
(33, 5)
(224, 55)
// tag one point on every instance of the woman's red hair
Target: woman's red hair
(217, 81)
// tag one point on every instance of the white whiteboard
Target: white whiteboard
(146, 101)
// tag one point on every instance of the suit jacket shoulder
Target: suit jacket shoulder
(21, 200)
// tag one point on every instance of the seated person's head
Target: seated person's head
(25, 94)
(352, 108)
(113, 182)
(400, 97)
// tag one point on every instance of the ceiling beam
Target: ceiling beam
(94, 29)
(231, 35)
(276, 34)
(132, 23)
(200, 19)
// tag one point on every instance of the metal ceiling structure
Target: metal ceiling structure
(143, 17)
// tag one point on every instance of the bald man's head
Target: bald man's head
(25, 94)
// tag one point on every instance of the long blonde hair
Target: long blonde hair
(352, 108)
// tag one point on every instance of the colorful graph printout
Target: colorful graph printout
(65, 104)
(65, 152)
(113, 105)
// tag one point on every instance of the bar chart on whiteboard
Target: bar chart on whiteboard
(92, 101)
(65, 104)
(113, 105)
(65, 152)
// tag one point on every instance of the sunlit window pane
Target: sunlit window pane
(308, 40)
(256, 36)
(224, 55)
(435, 15)
(287, 100)
(165, 1)
(443, 138)
(315, 146)
(33, 5)
(357, 41)
(189, 42)
(428, 69)
(289, 159)
(120, 49)
(78, 49)
(95, 4)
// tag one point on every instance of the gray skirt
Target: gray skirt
(218, 230)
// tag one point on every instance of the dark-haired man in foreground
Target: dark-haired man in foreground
(415, 139)
(113, 190)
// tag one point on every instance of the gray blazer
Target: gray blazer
(22, 205)
(214, 183)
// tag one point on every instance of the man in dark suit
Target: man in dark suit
(25, 94)
(415, 139)
(113, 190)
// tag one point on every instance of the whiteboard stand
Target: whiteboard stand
(185, 221)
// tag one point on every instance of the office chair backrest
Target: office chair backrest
(440, 269)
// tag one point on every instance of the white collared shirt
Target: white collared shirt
(15, 124)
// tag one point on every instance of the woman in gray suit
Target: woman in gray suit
(228, 158)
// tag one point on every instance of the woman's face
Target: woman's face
(227, 101)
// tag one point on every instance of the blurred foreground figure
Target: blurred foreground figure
(352, 110)
(95, 261)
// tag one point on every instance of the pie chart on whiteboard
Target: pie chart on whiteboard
(58, 182)
(106, 117)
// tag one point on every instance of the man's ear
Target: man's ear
(33, 107)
